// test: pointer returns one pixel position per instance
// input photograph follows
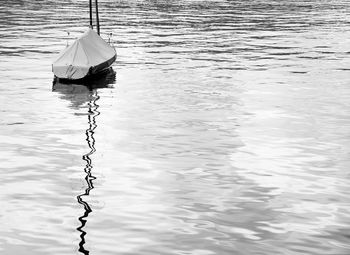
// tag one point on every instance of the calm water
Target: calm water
(226, 130)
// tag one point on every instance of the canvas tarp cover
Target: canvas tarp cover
(88, 51)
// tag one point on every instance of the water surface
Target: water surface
(226, 130)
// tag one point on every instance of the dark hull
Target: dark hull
(95, 73)
(104, 79)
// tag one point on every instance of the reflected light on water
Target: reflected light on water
(226, 132)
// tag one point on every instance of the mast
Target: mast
(97, 18)
(90, 7)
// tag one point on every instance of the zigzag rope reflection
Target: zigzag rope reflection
(93, 113)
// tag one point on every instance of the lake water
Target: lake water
(226, 130)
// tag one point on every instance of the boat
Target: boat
(87, 57)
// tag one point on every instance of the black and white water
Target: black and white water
(226, 131)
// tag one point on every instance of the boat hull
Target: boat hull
(88, 79)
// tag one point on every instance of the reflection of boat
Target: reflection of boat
(93, 113)
(87, 57)
(79, 95)
(80, 92)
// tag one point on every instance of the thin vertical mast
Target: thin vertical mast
(90, 7)
(97, 18)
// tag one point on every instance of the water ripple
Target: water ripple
(226, 131)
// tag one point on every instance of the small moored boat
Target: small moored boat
(88, 56)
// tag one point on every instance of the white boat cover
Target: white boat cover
(89, 53)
